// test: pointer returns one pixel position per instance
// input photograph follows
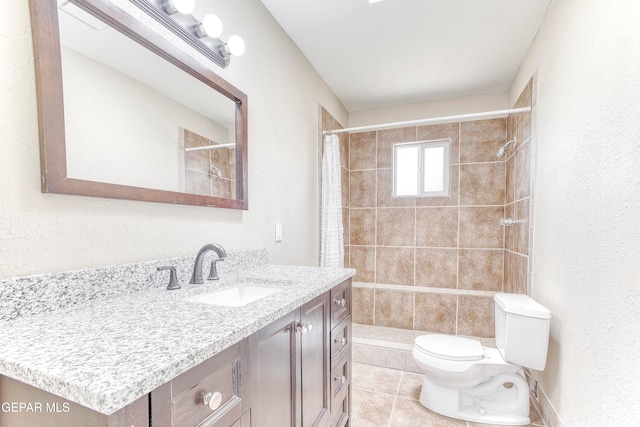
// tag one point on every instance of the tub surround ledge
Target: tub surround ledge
(109, 349)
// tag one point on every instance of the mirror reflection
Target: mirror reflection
(134, 119)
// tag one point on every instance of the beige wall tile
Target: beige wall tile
(362, 305)
(396, 227)
(385, 141)
(522, 227)
(480, 227)
(394, 309)
(197, 183)
(523, 171)
(442, 131)
(523, 120)
(394, 265)
(435, 312)
(361, 353)
(519, 266)
(362, 227)
(344, 187)
(362, 188)
(363, 259)
(480, 140)
(220, 187)
(509, 281)
(437, 268)
(347, 257)
(437, 227)
(344, 148)
(452, 198)
(510, 179)
(509, 231)
(345, 225)
(476, 316)
(385, 191)
(482, 184)
(362, 151)
(481, 269)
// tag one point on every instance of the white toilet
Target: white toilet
(470, 382)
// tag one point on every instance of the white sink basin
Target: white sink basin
(235, 296)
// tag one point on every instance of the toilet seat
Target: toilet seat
(448, 353)
(450, 347)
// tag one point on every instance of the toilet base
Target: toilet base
(489, 402)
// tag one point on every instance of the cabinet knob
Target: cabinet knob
(340, 301)
(304, 328)
(341, 379)
(341, 341)
(213, 400)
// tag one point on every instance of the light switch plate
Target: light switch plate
(278, 232)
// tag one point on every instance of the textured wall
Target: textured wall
(587, 203)
(51, 232)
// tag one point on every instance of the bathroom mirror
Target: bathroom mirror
(124, 113)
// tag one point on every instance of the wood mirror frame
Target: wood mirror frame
(48, 66)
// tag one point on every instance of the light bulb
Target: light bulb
(180, 6)
(235, 45)
(211, 26)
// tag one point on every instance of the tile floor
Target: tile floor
(386, 397)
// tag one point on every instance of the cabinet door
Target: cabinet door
(314, 339)
(275, 379)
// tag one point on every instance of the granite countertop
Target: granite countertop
(107, 353)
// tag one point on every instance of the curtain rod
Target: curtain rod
(211, 147)
(435, 120)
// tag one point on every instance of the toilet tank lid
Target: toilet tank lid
(450, 347)
(521, 304)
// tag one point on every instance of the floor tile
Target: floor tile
(370, 409)
(410, 385)
(411, 413)
(376, 378)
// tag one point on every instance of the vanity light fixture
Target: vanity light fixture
(201, 35)
(178, 6)
(234, 46)
(211, 26)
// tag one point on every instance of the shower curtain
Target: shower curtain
(332, 247)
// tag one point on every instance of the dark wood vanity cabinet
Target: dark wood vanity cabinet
(295, 372)
(293, 381)
(289, 369)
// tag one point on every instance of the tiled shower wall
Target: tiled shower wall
(198, 174)
(434, 264)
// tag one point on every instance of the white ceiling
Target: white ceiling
(398, 52)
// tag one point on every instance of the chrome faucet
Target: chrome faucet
(196, 277)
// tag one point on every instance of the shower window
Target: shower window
(421, 169)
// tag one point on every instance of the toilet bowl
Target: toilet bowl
(464, 379)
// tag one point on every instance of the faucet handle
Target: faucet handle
(213, 273)
(173, 278)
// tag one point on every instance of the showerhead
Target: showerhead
(503, 150)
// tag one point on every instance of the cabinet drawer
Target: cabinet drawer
(340, 340)
(340, 302)
(340, 380)
(215, 393)
(340, 413)
(207, 395)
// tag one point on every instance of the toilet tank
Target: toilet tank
(522, 330)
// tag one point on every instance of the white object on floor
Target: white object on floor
(468, 381)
